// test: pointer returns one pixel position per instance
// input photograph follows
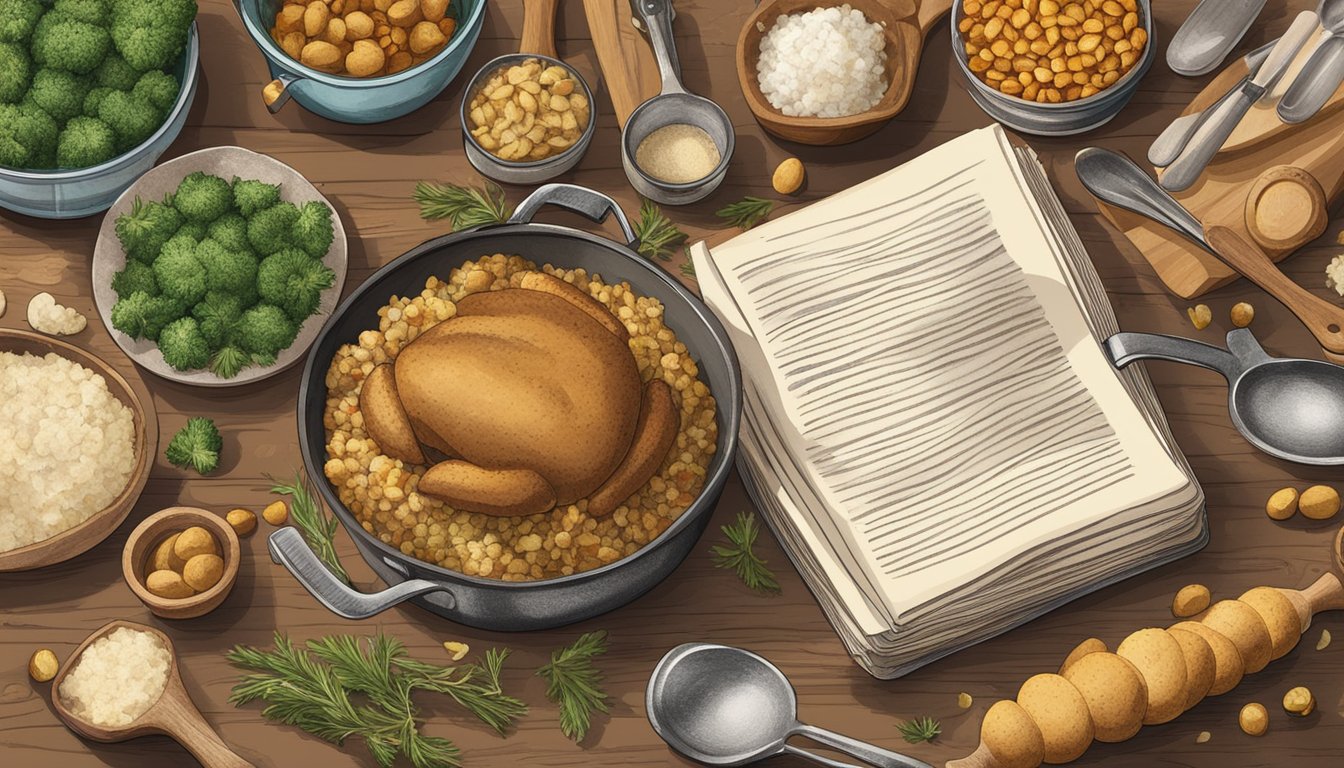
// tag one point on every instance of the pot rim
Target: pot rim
(730, 407)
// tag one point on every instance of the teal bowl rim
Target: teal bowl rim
(185, 95)
(274, 54)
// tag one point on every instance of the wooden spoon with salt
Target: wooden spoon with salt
(173, 715)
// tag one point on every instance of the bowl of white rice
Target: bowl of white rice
(82, 446)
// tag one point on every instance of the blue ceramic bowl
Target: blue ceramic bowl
(363, 99)
(70, 194)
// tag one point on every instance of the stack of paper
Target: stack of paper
(932, 428)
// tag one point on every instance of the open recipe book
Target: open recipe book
(931, 426)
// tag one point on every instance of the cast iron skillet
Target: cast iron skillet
(487, 603)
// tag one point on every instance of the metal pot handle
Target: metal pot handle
(581, 200)
(290, 550)
(1125, 348)
(275, 94)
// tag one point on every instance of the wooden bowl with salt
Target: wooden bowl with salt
(906, 23)
(132, 393)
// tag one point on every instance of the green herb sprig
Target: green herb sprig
(739, 554)
(318, 528)
(312, 688)
(747, 212)
(574, 683)
(656, 233)
(197, 445)
(920, 729)
(464, 207)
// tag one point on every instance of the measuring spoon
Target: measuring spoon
(1322, 74)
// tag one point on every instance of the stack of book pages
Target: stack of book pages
(932, 428)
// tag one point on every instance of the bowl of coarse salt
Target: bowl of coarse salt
(827, 72)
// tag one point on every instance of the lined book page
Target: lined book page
(933, 377)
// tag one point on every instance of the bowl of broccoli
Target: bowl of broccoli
(92, 92)
(219, 267)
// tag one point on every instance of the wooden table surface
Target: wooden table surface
(369, 172)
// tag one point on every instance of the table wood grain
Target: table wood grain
(369, 172)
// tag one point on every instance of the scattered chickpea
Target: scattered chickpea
(964, 700)
(788, 176)
(1282, 504)
(1319, 502)
(43, 665)
(242, 521)
(1203, 737)
(1324, 641)
(1200, 316)
(1242, 314)
(276, 513)
(1191, 600)
(1254, 719)
(1299, 701)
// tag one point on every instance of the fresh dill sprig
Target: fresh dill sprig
(573, 683)
(920, 729)
(655, 232)
(312, 688)
(318, 528)
(740, 555)
(747, 212)
(464, 207)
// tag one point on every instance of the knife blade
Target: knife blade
(1172, 141)
(1221, 122)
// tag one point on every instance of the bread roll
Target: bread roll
(1061, 713)
(1200, 665)
(1280, 617)
(1159, 659)
(1090, 645)
(1244, 627)
(1228, 668)
(1011, 736)
(1116, 694)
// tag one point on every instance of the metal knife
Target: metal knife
(1172, 141)
(1221, 122)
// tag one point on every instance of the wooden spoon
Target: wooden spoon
(1285, 208)
(628, 67)
(173, 715)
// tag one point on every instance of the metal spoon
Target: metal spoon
(1171, 142)
(1209, 34)
(726, 706)
(1289, 408)
(1323, 72)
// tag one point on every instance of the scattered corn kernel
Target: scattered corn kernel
(964, 700)
(1200, 316)
(1203, 737)
(1324, 642)
(1299, 701)
(458, 651)
(1254, 719)
(43, 665)
(276, 513)
(1242, 314)
(242, 521)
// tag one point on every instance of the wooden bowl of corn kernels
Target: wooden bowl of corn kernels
(1053, 67)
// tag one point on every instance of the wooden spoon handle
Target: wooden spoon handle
(930, 11)
(1323, 319)
(538, 27)
(980, 758)
(1326, 594)
(184, 723)
(626, 85)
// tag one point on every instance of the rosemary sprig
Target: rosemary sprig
(740, 555)
(747, 212)
(318, 528)
(920, 729)
(312, 688)
(688, 268)
(656, 233)
(464, 207)
(575, 685)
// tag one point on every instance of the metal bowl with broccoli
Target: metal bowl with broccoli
(219, 267)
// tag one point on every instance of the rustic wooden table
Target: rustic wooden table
(369, 172)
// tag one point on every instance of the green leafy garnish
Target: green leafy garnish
(228, 361)
(739, 554)
(747, 212)
(919, 730)
(318, 528)
(655, 232)
(575, 685)
(464, 207)
(688, 269)
(312, 688)
(196, 445)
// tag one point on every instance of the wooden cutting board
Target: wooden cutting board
(1260, 143)
(629, 71)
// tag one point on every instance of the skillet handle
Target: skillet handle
(290, 550)
(1125, 348)
(581, 200)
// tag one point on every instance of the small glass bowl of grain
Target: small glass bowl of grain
(1053, 67)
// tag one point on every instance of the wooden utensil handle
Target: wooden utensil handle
(621, 87)
(1325, 594)
(184, 723)
(1323, 319)
(930, 11)
(538, 27)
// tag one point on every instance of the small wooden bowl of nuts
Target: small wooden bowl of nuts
(181, 562)
(1053, 67)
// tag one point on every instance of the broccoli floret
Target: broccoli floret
(16, 71)
(27, 136)
(313, 230)
(233, 272)
(230, 231)
(147, 229)
(85, 141)
(196, 445)
(18, 18)
(265, 330)
(293, 280)
(251, 196)
(268, 230)
(151, 33)
(142, 316)
(183, 346)
(218, 314)
(228, 361)
(202, 197)
(136, 276)
(130, 117)
(181, 276)
(158, 88)
(95, 100)
(88, 11)
(195, 230)
(182, 242)
(116, 74)
(66, 43)
(59, 94)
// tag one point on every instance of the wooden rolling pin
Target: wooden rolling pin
(1152, 677)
